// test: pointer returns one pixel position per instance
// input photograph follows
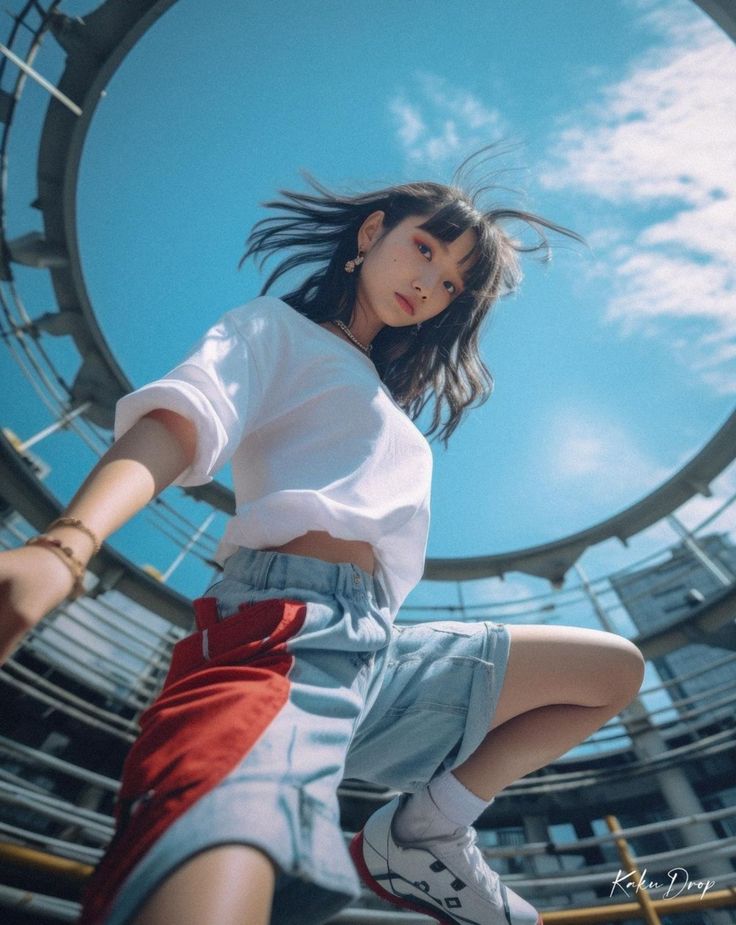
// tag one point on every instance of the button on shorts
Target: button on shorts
(294, 678)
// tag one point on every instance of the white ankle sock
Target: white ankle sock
(455, 801)
(439, 808)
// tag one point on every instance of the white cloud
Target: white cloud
(670, 19)
(587, 452)
(442, 122)
(707, 229)
(408, 122)
(664, 138)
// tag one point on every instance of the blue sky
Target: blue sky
(613, 365)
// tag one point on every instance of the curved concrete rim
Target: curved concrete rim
(96, 47)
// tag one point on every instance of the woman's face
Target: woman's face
(408, 276)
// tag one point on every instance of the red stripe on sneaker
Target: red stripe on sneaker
(226, 684)
(416, 905)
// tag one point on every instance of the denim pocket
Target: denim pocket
(420, 720)
(435, 705)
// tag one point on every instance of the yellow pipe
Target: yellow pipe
(644, 900)
(64, 868)
(619, 911)
(77, 872)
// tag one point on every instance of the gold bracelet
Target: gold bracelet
(77, 525)
(66, 555)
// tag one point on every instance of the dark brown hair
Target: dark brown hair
(442, 361)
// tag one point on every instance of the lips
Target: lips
(405, 304)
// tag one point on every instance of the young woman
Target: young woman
(296, 674)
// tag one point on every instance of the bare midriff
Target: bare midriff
(321, 545)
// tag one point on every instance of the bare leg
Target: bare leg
(561, 684)
(229, 885)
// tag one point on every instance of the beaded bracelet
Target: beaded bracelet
(65, 555)
(78, 525)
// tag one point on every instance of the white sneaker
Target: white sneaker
(446, 878)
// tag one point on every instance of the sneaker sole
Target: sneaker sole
(415, 905)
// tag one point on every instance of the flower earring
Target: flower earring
(351, 265)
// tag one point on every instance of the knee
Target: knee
(626, 668)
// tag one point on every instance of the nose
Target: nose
(426, 280)
(420, 290)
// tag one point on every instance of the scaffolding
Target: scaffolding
(79, 683)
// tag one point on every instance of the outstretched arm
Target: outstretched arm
(33, 579)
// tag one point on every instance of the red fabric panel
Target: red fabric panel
(211, 711)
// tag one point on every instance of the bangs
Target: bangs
(452, 220)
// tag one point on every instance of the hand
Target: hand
(33, 581)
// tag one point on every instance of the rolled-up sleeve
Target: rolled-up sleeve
(217, 387)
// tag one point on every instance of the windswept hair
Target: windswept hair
(441, 362)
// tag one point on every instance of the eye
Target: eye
(450, 287)
(424, 249)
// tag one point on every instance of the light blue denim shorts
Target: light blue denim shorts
(350, 695)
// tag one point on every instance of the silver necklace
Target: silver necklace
(349, 334)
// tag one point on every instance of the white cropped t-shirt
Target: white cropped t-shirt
(315, 439)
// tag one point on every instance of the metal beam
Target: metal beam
(701, 625)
